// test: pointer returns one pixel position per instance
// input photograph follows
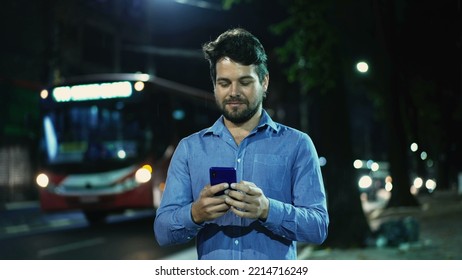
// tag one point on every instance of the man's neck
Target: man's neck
(242, 130)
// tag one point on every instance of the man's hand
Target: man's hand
(248, 201)
(209, 206)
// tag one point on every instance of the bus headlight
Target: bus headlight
(143, 174)
(42, 180)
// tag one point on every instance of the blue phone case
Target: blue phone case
(222, 175)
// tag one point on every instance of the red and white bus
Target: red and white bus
(107, 140)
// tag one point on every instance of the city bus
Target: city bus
(107, 140)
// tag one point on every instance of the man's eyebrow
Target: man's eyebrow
(246, 77)
(240, 78)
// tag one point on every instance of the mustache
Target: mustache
(235, 99)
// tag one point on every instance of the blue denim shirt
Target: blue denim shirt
(280, 160)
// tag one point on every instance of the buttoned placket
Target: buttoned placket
(239, 165)
(241, 149)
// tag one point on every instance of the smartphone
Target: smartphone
(222, 175)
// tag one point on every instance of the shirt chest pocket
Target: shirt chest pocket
(270, 171)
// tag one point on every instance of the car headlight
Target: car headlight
(365, 182)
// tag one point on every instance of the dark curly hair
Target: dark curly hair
(239, 45)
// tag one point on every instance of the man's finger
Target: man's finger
(246, 187)
(213, 190)
(236, 203)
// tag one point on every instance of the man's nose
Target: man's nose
(235, 89)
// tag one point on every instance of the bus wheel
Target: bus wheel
(95, 218)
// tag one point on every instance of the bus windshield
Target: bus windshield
(95, 132)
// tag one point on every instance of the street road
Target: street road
(28, 234)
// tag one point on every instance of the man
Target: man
(280, 196)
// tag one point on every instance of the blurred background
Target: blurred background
(376, 84)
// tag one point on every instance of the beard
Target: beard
(238, 115)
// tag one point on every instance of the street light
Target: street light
(362, 67)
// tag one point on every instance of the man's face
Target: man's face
(238, 91)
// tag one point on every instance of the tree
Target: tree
(421, 77)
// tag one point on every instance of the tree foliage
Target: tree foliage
(307, 51)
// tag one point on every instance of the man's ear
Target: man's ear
(265, 82)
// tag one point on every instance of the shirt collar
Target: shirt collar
(265, 121)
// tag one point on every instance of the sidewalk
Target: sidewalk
(440, 236)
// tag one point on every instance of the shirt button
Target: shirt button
(236, 242)
(239, 160)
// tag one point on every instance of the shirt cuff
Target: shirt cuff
(187, 218)
(275, 213)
